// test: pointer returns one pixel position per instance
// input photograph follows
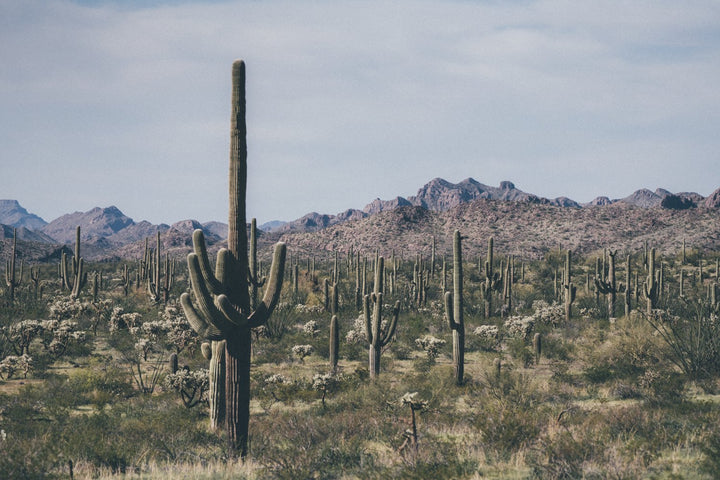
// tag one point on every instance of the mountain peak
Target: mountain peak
(95, 223)
(14, 215)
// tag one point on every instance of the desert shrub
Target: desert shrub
(518, 348)
(561, 456)
(510, 417)
(129, 436)
(102, 386)
(292, 445)
(554, 347)
(400, 351)
(692, 331)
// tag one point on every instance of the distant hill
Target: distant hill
(529, 224)
(94, 224)
(525, 229)
(14, 215)
(439, 195)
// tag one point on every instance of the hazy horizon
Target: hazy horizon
(127, 103)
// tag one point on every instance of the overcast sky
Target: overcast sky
(127, 103)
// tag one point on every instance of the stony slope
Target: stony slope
(524, 229)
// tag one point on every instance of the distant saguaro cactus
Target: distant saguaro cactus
(568, 288)
(377, 336)
(454, 307)
(492, 282)
(159, 286)
(608, 286)
(10, 280)
(221, 310)
(74, 278)
(334, 343)
(651, 284)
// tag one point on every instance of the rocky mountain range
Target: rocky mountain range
(439, 205)
(439, 195)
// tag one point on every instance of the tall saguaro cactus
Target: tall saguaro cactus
(377, 336)
(221, 309)
(454, 306)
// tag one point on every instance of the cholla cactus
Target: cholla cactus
(22, 334)
(325, 384)
(16, 363)
(302, 351)
(191, 385)
(431, 345)
(310, 328)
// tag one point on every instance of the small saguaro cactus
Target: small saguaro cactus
(537, 347)
(628, 288)
(377, 336)
(454, 307)
(334, 343)
(651, 284)
(74, 278)
(10, 280)
(173, 362)
(568, 288)
(221, 309)
(492, 282)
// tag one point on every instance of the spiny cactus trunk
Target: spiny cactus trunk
(455, 316)
(216, 390)
(334, 343)
(238, 344)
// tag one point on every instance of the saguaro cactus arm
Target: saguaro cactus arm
(219, 312)
(449, 312)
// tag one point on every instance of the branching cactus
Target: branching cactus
(35, 278)
(221, 308)
(74, 278)
(10, 280)
(159, 286)
(377, 335)
(125, 280)
(608, 285)
(569, 290)
(651, 284)
(454, 307)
